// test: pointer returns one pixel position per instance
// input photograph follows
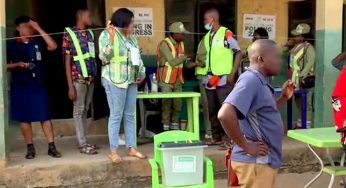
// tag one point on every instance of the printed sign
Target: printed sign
(254, 21)
(184, 164)
(143, 20)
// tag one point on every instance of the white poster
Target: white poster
(254, 21)
(143, 25)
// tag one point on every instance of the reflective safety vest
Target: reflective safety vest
(219, 59)
(297, 60)
(166, 73)
(81, 57)
(121, 61)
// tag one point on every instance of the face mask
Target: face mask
(208, 26)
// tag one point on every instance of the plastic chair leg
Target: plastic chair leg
(154, 174)
(209, 172)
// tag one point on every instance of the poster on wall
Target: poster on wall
(143, 25)
(254, 21)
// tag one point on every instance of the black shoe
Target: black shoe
(52, 151)
(31, 153)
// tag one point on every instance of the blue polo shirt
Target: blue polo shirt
(259, 118)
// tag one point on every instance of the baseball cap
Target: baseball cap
(177, 27)
(302, 28)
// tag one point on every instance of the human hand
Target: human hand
(287, 90)
(34, 25)
(256, 149)
(23, 65)
(111, 30)
(231, 80)
(139, 80)
(72, 93)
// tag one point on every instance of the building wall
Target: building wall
(279, 8)
(148, 44)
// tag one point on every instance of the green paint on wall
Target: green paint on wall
(328, 46)
(3, 98)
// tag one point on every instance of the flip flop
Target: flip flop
(115, 159)
(138, 155)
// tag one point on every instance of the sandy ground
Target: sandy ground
(295, 181)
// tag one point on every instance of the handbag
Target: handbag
(232, 177)
(308, 82)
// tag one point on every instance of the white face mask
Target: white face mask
(209, 26)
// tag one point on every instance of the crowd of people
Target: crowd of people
(257, 136)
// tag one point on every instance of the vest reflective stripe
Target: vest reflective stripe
(80, 57)
(170, 74)
(219, 59)
(296, 60)
(118, 61)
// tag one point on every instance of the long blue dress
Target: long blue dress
(29, 98)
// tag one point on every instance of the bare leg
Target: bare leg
(27, 132)
(48, 130)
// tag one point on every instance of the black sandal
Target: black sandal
(31, 153)
(88, 150)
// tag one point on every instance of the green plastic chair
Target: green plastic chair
(172, 136)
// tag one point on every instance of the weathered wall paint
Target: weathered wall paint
(279, 8)
(148, 44)
(3, 87)
(328, 45)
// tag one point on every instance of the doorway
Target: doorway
(54, 16)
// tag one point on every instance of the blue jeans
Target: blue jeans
(122, 106)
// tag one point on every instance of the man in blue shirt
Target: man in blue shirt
(251, 118)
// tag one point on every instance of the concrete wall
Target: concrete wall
(279, 8)
(148, 44)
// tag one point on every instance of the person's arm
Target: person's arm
(339, 61)
(200, 56)
(13, 66)
(233, 45)
(237, 107)
(310, 58)
(66, 50)
(167, 54)
(106, 47)
(51, 44)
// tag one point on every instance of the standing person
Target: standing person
(339, 99)
(219, 71)
(171, 58)
(123, 70)
(302, 63)
(81, 70)
(259, 33)
(29, 97)
(251, 118)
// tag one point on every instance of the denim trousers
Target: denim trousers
(80, 110)
(122, 106)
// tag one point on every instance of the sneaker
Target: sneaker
(166, 127)
(174, 126)
(31, 153)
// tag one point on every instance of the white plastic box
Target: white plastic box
(182, 165)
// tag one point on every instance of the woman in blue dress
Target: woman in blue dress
(29, 99)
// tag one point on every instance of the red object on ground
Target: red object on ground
(232, 177)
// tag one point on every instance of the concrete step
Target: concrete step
(78, 170)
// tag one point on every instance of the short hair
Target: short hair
(261, 32)
(122, 18)
(22, 19)
(213, 11)
(81, 11)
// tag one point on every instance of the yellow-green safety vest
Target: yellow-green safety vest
(219, 59)
(120, 61)
(296, 60)
(80, 57)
